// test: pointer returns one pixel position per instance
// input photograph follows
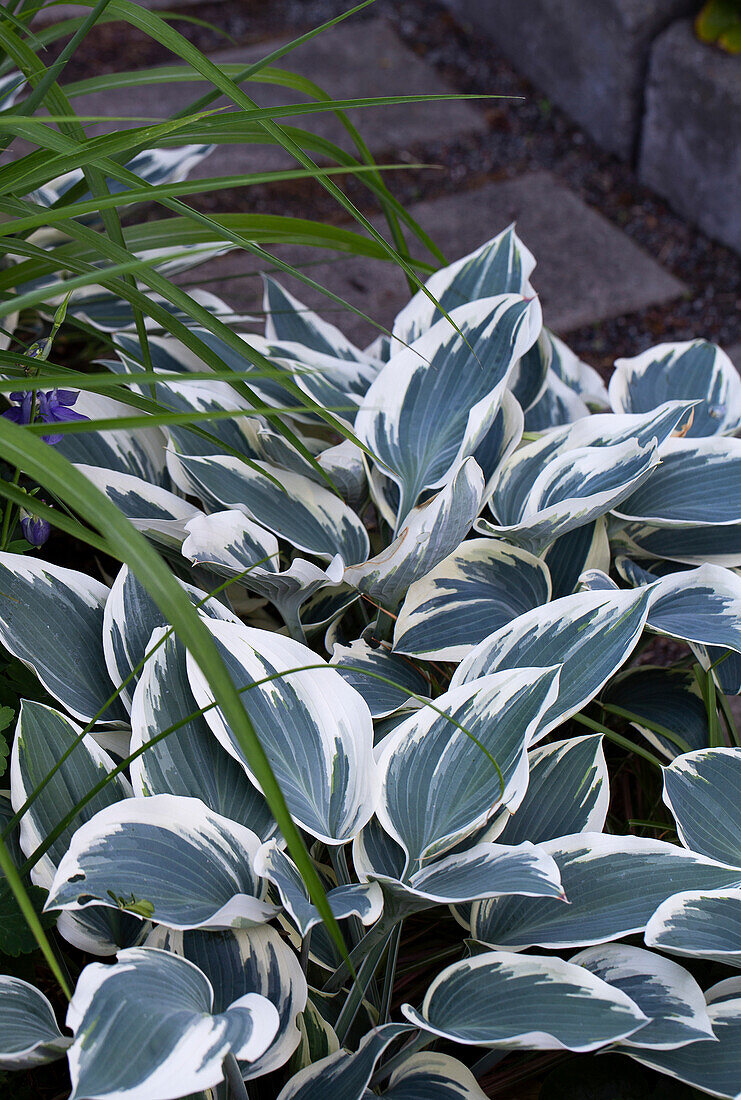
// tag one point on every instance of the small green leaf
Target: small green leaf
(16, 938)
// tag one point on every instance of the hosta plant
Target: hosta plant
(440, 582)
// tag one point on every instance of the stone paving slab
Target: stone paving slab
(587, 270)
(349, 62)
(56, 12)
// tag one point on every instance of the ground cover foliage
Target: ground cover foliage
(386, 735)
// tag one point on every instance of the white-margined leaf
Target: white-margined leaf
(386, 680)
(568, 792)
(430, 532)
(343, 1075)
(613, 885)
(477, 589)
(703, 791)
(699, 606)
(484, 870)
(247, 960)
(702, 924)
(692, 369)
(168, 858)
(525, 1002)
(231, 545)
(444, 774)
(663, 990)
(29, 1033)
(556, 405)
(145, 1028)
(359, 899)
(189, 761)
(501, 266)
(43, 736)
(433, 403)
(52, 619)
(130, 617)
(109, 313)
(346, 469)
(10, 85)
(158, 513)
(306, 514)
(530, 496)
(289, 320)
(528, 379)
(321, 755)
(434, 1077)
(576, 374)
(575, 488)
(698, 545)
(140, 453)
(590, 634)
(714, 1068)
(500, 441)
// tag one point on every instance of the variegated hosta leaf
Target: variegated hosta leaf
(568, 792)
(669, 697)
(525, 1002)
(703, 924)
(613, 884)
(589, 634)
(335, 384)
(577, 375)
(501, 266)
(699, 606)
(429, 533)
(168, 858)
(583, 549)
(434, 1077)
(575, 488)
(43, 736)
(386, 681)
(29, 1033)
(140, 453)
(130, 617)
(500, 441)
(321, 752)
(529, 375)
(289, 320)
(446, 769)
(433, 403)
(530, 498)
(145, 1028)
(306, 514)
(158, 513)
(693, 369)
(359, 899)
(189, 761)
(151, 165)
(484, 870)
(477, 589)
(10, 85)
(231, 545)
(343, 1075)
(52, 619)
(109, 313)
(249, 960)
(697, 486)
(346, 469)
(714, 1068)
(663, 990)
(703, 791)
(556, 405)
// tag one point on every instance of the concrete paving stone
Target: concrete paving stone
(590, 59)
(691, 144)
(587, 271)
(54, 13)
(349, 62)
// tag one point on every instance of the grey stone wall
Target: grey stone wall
(691, 141)
(589, 56)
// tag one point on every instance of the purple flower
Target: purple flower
(52, 406)
(35, 530)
